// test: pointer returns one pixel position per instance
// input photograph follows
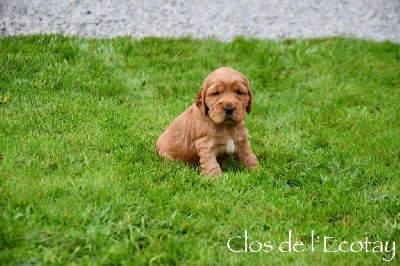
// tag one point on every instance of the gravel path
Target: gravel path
(224, 19)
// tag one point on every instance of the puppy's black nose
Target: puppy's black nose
(229, 110)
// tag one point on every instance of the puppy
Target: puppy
(212, 128)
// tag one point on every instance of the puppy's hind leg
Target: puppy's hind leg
(162, 148)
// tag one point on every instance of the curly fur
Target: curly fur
(213, 127)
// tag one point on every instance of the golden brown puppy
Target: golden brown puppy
(212, 128)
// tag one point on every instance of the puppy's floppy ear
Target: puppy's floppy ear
(201, 98)
(250, 93)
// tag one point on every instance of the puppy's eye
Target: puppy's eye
(239, 92)
(216, 93)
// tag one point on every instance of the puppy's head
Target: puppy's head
(225, 96)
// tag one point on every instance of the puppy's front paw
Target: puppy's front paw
(252, 166)
(251, 163)
(211, 171)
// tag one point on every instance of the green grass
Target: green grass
(80, 182)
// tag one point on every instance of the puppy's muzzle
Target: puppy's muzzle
(229, 110)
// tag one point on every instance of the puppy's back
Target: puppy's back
(177, 142)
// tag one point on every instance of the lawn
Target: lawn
(80, 182)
